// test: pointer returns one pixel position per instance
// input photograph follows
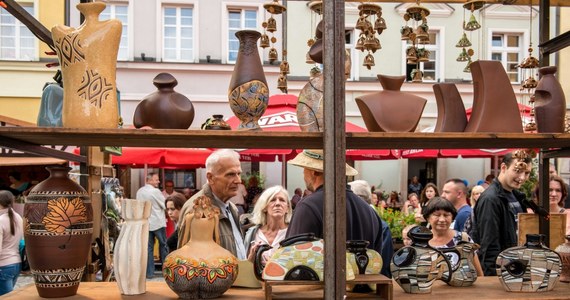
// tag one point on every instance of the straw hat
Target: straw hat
(313, 160)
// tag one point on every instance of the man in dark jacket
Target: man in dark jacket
(362, 223)
(496, 211)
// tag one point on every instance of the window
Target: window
(120, 12)
(178, 34)
(239, 19)
(16, 41)
(430, 67)
(507, 48)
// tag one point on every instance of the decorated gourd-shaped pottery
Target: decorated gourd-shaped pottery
(58, 225)
(461, 258)
(216, 122)
(391, 110)
(550, 102)
(564, 251)
(88, 58)
(165, 108)
(362, 261)
(530, 268)
(248, 92)
(131, 249)
(416, 267)
(201, 269)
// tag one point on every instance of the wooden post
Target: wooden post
(543, 183)
(334, 150)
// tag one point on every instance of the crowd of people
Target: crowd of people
(251, 216)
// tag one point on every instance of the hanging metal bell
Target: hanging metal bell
(360, 43)
(467, 68)
(361, 23)
(530, 83)
(271, 25)
(423, 55)
(380, 25)
(417, 75)
(530, 62)
(421, 32)
(272, 55)
(282, 83)
(369, 61)
(284, 67)
(411, 53)
(463, 42)
(463, 56)
(264, 41)
(405, 32)
(472, 24)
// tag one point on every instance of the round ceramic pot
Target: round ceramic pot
(58, 225)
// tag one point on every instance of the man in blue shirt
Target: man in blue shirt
(455, 191)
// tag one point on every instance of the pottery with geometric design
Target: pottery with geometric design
(88, 58)
(58, 226)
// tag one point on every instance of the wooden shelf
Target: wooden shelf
(275, 140)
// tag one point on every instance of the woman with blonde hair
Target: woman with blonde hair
(475, 193)
(271, 216)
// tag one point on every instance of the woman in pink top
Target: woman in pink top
(557, 193)
(11, 232)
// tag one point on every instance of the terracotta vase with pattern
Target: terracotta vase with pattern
(88, 58)
(248, 92)
(201, 269)
(58, 225)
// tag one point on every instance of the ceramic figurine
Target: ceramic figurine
(58, 225)
(248, 92)
(165, 108)
(201, 269)
(131, 249)
(461, 258)
(550, 102)
(416, 267)
(451, 115)
(391, 110)
(530, 268)
(493, 99)
(88, 59)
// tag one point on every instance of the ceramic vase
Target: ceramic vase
(530, 268)
(362, 261)
(201, 269)
(416, 267)
(391, 110)
(58, 226)
(310, 106)
(564, 251)
(550, 102)
(151, 111)
(131, 249)
(248, 92)
(461, 258)
(88, 57)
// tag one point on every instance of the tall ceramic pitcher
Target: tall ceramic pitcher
(88, 58)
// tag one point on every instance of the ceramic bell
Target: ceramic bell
(416, 267)
(530, 268)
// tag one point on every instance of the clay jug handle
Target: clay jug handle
(305, 237)
(449, 269)
(257, 265)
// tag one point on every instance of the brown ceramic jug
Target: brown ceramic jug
(550, 102)
(248, 92)
(88, 59)
(165, 108)
(58, 225)
(391, 110)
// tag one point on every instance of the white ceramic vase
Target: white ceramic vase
(131, 248)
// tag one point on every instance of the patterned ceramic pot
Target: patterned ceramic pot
(416, 267)
(58, 225)
(201, 269)
(530, 268)
(564, 251)
(88, 59)
(461, 259)
(248, 92)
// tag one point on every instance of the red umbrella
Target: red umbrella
(420, 153)
(281, 115)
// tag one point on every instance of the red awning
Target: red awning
(419, 153)
(167, 158)
(369, 154)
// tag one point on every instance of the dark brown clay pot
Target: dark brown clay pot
(550, 102)
(165, 108)
(451, 115)
(58, 225)
(391, 110)
(248, 92)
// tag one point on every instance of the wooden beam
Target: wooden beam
(334, 150)
(39, 150)
(555, 44)
(5, 120)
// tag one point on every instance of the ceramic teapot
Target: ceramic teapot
(530, 268)
(416, 267)
(299, 257)
(461, 258)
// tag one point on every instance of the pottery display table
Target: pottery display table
(484, 288)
